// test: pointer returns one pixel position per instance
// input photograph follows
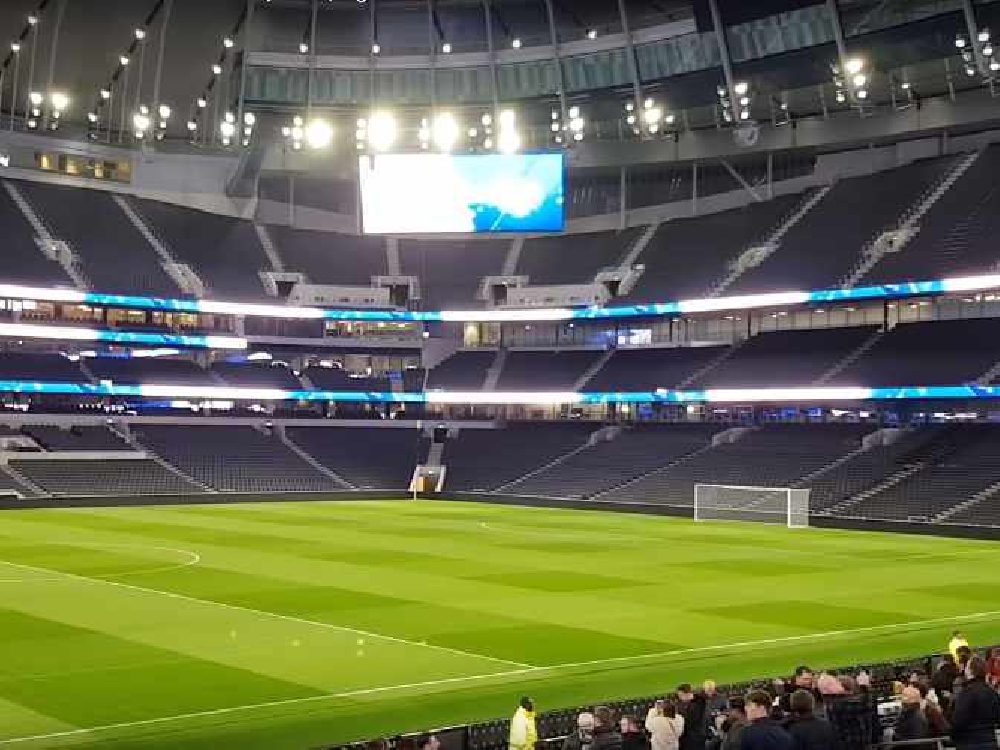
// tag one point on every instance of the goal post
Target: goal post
(775, 505)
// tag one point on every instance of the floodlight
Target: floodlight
(202, 102)
(744, 101)
(591, 33)
(381, 131)
(741, 88)
(164, 111)
(994, 65)
(516, 43)
(249, 118)
(860, 80)
(988, 50)
(854, 65)
(303, 47)
(143, 109)
(576, 124)
(228, 43)
(105, 93)
(960, 42)
(652, 116)
(630, 119)
(192, 125)
(862, 93)
(841, 97)
(216, 69)
(509, 141)
(629, 106)
(669, 119)
(487, 120)
(488, 143)
(744, 114)
(574, 112)
(446, 48)
(286, 131)
(92, 116)
(577, 136)
(59, 101)
(446, 131)
(648, 104)
(140, 121)
(32, 20)
(140, 34)
(230, 117)
(36, 98)
(376, 48)
(227, 129)
(123, 60)
(15, 47)
(297, 121)
(507, 118)
(298, 133)
(473, 132)
(984, 35)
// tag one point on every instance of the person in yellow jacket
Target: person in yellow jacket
(957, 641)
(523, 732)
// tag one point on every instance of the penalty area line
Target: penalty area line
(526, 671)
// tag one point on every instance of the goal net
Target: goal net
(777, 505)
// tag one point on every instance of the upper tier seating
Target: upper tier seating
(152, 370)
(607, 464)
(223, 251)
(250, 375)
(822, 248)
(957, 236)
(573, 259)
(462, 371)
(785, 358)
(450, 270)
(77, 438)
(23, 260)
(686, 257)
(335, 379)
(771, 456)
(369, 458)
(554, 371)
(482, 460)
(950, 352)
(32, 366)
(957, 463)
(8, 482)
(648, 369)
(327, 258)
(104, 477)
(115, 257)
(233, 459)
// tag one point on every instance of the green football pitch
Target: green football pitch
(294, 625)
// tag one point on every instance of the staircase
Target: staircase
(659, 470)
(989, 376)
(493, 373)
(126, 435)
(769, 244)
(695, 376)
(805, 481)
(554, 462)
(513, 257)
(908, 225)
(992, 491)
(591, 371)
(889, 482)
(636, 250)
(850, 359)
(288, 443)
(23, 480)
(52, 248)
(267, 245)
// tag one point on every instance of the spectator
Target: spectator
(523, 733)
(977, 711)
(957, 641)
(606, 735)
(428, 742)
(803, 679)
(808, 731)
(715, 702)
(993, 668)
(734, 724)
(943, 680)
(582, 738)
(852, 717)
(964, 657)
(763, 732)
(912, 723)
(936, 721)
(666, 727)
(633, 738)
(692, 707)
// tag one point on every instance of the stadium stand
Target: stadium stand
(555, 370)
(76, 438)
(465, 370)
(483, 460)
(251, 375)
(223, 251)
(544, 259)
(78, 477)
(327, 258)
(947, 352)
(822, 248)
(785, 358)
(136, 371)
(609, 463)
(114, 256)
(769, 456)
(367, 458)
(9, 482)
(686, 257)
(450, 270)
(957, 235)
(234, 459)
(53, 368)
(336, 379)
(24, 261)
(648, 369)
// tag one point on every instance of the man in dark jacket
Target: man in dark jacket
(977, 711)
(763, 733)
(808, 731)
(852, 716)
(943, 679)
(606, 734)
(692, 706)
(912, 723)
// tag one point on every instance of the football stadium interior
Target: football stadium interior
(408, 374)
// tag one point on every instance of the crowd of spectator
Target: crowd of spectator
(956, 704)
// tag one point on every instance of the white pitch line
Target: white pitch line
(490, 675)
(193, 559)
(272, 615)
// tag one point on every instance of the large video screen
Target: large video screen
(441, 193)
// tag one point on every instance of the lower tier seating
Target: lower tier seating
(366, 457)
(74, 477)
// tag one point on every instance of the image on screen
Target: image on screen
(441, 193)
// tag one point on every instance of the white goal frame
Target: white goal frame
(794, 514)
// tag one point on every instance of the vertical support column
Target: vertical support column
(371, 55)
(432, 52)
(53, 52)
(633, 63)
(623, 198)
(491, 52)
(158, 73)
(312, 56)
(720, 37)
(557, 61)
(17, 74)
(838, 29)
(31, 63)
(241, 103)
(969, 11)
(694, 188)
(123, 95)
(138, 80)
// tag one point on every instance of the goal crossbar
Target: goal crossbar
(788, 506)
